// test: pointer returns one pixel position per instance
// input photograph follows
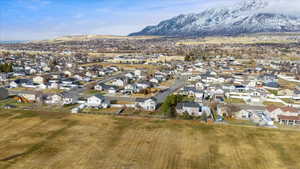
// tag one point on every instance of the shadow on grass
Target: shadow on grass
(39, 146)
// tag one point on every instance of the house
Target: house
(30, 96)
(296, 95)
(104, 87)
(69, 98)
(289, 120)
(97, 101)
(42, 86)
(53, 85)
(3, 93)
(112, 90)
(19, 83)
(199, 96)
(272, 85)
(199, 85)
(189, 91)
(130, 75)
(143, 84)
(154, 80)
(138, 73)
(240, 88)
(275, 111)
(54, 99)
(131, 88)
(119, 82)
(3, 76)
(160, 77)
(285, 92)
(99, 87)
(192, 108)
(38, 80)
(267, 78)
(243, 114)
(147, 104)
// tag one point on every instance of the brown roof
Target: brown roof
(289, 109)
(272, 108)
(284, 109)
(297, 118)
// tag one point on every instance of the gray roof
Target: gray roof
(188, 104)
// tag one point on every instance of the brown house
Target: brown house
(289, 120)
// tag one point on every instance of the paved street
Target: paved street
(179, 83)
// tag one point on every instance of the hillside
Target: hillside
(93, 37)
(46, 140)
(246, 17)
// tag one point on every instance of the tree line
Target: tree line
(6, 67)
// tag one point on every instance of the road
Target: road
(179, 83)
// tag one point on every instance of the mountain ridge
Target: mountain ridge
(244, 18)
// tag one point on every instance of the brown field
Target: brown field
(125, 66)
(92, 37)
(55, 140)
(274, 39)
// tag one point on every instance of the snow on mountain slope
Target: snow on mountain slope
(246, 17)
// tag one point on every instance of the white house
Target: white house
(119, 82)
(131, 88)
(192, 108)
(69, 98)
(38, 80)
(143, 85)
(55, 99)
(53, 85)
(154, 80)
(243, 114)
(13, 84)
(97, 101)
(147, 104)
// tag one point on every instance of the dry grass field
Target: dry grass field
(126, 66)
(56, 140)
(274, 39)
(93, 37)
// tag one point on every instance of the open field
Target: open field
(258, 39)
(93, 37)
(126, 66)
(57, 140)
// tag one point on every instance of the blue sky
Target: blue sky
(42, 19)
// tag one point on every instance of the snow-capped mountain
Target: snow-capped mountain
(249, 16)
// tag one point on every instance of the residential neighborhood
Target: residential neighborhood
(261, 91)
(150, 84)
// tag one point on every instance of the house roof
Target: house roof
(67, 94)
(272, 108)
(144, 99)
(297, 118)
(289, 109)
(99, 96)
(284, 109)
(188, 104)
